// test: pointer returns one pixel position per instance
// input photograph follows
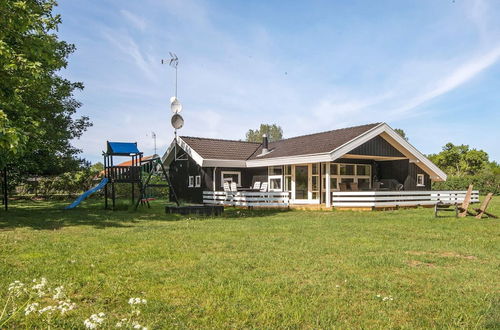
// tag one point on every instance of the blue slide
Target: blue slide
(87, 194)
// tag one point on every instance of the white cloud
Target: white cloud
(135, 20)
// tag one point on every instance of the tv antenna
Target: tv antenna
(173, 62)
(153, 135)
(175, 105)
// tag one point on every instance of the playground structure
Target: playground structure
(139, 173)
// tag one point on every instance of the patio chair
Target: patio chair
(263, 187)
(353, 186)
(234, 186)
(484, 205)
(464, 208)
(226, 186)
(256, 185)
(343, 186)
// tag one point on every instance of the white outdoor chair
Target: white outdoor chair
(256, 185)
(234, 187)
(226, 186)
(263, 187)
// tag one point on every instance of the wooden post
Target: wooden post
(106, 186)
(328, 193)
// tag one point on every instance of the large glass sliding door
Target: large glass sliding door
(301, 181)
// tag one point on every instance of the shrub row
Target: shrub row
(485, 183)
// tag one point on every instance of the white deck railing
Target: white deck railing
(246, 198)
(398, 198)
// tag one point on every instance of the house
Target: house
(370, 157)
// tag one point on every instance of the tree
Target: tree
(460, 160)
(273, 132)
(402, 133)
(37, 107)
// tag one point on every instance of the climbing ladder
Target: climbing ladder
(153, 167)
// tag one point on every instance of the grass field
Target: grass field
(295, 269)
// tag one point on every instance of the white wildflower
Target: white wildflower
(94, 321)
(65, 306)
(337, 286)
(59, 293)
(39, 286)
(16, 288)
(137, 301)
(31, 308)
(121, 323)
(136, 325)
(49, 309)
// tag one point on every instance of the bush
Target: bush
(485, 183)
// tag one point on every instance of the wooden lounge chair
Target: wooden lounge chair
(460, 210)
(484, 205)
(463, 210)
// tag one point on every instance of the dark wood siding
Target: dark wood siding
(248, 175)
(404, 172)
(180, 170)
(377, 146)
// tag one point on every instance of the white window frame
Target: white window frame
(230, 172)
(191, 181)
(420, 175)
(197, 181)
(354, 177)
(274, 177)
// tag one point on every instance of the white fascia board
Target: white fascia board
(224, 163)
(167, 153)
(421, 159)
(356, 142)
(300, 159)
(187, 149)
(190, 151)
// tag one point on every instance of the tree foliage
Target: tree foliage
(37, 107)
(460, 160)
(273, 132)
(402, 133)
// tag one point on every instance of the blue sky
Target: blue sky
(429, 67)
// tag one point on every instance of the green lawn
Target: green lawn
(295, 269)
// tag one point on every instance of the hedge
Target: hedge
(485, 183)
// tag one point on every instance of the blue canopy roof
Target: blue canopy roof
(122, 148)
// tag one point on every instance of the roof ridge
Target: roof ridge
(215, 139)
(332, 130)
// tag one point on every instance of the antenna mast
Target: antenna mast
(153, 134)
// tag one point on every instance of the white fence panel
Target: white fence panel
(246, 198)
(399, 198)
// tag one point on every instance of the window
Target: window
(420, 180)
(275, 182)
(288, 177)
(275, 170)
(191, 181)
(230, 176)
(198, 181)
(275, 178)
(346, 169)
(362, 170)
(315, 181)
